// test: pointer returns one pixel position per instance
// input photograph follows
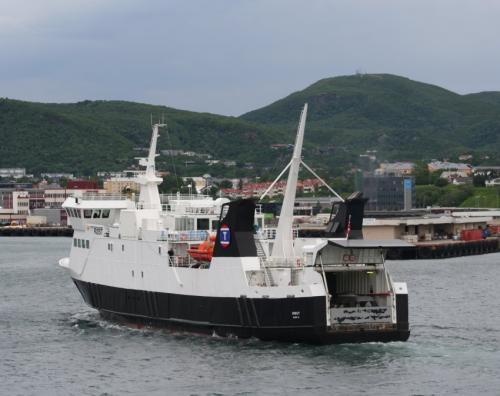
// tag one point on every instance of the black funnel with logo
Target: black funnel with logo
(235, 233)
(347, 218)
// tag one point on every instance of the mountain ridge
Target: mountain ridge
(398, 117)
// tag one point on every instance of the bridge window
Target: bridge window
(105, 213)
(184, 224)
(79, 243)
(87, 244)
(74, 242)
(97, 213)
(87, 213)
(202, 224)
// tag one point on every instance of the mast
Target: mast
(283, 244)
(149, 197)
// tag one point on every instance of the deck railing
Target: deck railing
(278, 262)
(270, 233)
(107, 197)
(181, 236)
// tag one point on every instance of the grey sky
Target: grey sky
(230, 56)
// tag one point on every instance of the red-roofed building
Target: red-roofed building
(82, 185)
(257, 189)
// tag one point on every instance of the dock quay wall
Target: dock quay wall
(36, 231)
(445, 249)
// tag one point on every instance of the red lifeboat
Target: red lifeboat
(204, 251)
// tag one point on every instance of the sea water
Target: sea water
(51, 343)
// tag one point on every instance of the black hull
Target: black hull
(287, 319)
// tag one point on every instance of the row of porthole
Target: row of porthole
(142, 274)
(110, 247)
(81, 243)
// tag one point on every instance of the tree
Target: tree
(479, 181)
(171, 184)
(421, 174)
(225, 184)
(441, 182)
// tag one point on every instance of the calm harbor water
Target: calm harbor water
(53, 344)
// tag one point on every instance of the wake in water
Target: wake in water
(91, 321)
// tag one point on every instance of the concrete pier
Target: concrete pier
(36, 231)
(445, 249)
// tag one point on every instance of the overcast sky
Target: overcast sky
(233, 56)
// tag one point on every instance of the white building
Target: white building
(395, 168)
(20, 202)
(15, 173)
(436, 166)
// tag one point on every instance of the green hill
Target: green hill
(400, 118)
(89, 136)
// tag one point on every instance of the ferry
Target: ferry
(206, 265)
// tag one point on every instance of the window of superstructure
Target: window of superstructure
(202, 224)
(87, 244)
(184, 223)
(78, 213)
(87, 213)
(105, 213)
(96, 214)
(79, 243)
(123, 248)
(74, 242)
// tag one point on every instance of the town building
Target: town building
(439, 166)
(119, 185)
(426, 228)
(489, 171)
(12, 173)
(57, 176)
(389, 193)
(395, 169)
(259, 188)
(19, 202)
(108, 174)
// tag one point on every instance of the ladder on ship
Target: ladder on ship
(260, 249)
(268, 276)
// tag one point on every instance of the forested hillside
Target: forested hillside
(101, 135)
(400, 118)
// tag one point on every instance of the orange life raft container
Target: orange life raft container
(204, 251)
